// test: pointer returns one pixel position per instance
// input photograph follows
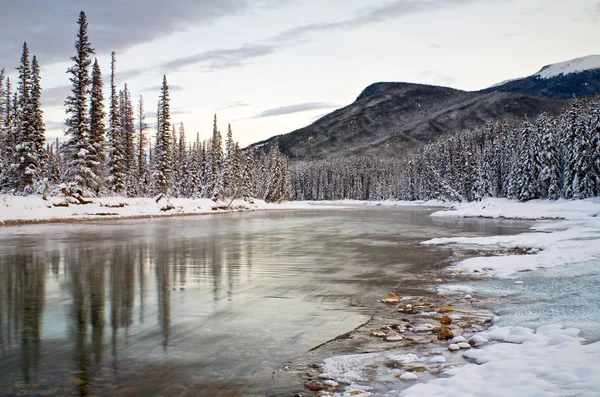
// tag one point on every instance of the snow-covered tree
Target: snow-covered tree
(142, 147)
(78, 147)
(116, 151)
(97, 138)
(216, 183)
(163, 147)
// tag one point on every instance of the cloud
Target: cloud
(239, 56)
(435, 46)
(237, 104)
(55, 96)
(113, 24)
(435, 78)
(222, 58)
(297, 108)
(157, 88)
(52, 125)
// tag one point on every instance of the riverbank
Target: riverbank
(443, 338)
(33, 209)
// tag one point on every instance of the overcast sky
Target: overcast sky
(271, 66)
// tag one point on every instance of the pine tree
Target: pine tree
(128, 140)
(549, 159)
(116, 151)
(3, 125)
(570, 127)
(142, 144)
(39, 127)
(162, 172)
(180, 168)
(78, 122)
(216, 184)
(26, 170)
(97, 156)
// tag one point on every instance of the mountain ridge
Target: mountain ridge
(392, 118)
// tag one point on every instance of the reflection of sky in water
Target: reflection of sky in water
(567, 295)
(175, 301)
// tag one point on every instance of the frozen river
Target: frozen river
(204, 305)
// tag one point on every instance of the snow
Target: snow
(571, 66)
(34, 209)
(526, 352)
(550, 361)
(562, 68)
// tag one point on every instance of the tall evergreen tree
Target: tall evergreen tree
(128, 140)
(78, 122)
(163, 148)
(142, 147)
(97, 138)
(116, 152)
(26, 166)
(216, 184)
(39, 127)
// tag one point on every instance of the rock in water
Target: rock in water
(445, 333)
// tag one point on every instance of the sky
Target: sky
(269, 67)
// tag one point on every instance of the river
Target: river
(203, 305)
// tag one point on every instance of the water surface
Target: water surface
(198, 306)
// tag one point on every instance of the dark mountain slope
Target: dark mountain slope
(389, 119)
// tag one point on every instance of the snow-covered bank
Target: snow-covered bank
(32, 209)
(547, 360)
(535, 349)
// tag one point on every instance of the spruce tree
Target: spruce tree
(116, 155)
(78, 147)
(26, 166)
(142, 146)
(216, 184)
(128, 140)
(97, 139)
(39, 127)
(163, 148)
(2, 124)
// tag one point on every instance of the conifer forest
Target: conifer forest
(109, 151)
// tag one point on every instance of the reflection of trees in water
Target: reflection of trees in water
(101, 286)
(22, 291)
(163, 287)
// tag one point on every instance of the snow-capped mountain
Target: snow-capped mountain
(573, 66)
(389, 119)
(579, 77)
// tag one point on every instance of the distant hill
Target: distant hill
(389, 119)
(579, 77)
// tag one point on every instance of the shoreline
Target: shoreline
(361, 361)
(303, 375)
(33, 210)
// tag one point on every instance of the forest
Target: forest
(109, 152)
(553, 157)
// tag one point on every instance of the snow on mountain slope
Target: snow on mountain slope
(573, 66)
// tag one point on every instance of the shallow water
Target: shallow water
(204, 305)
(566, 295)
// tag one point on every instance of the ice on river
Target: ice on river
(546, 339)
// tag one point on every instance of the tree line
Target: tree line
(109, 152)
(552, 157)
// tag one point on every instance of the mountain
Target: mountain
(389, 119)
(579, 77)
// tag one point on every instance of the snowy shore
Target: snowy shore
(16, 210)
(538, 350)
